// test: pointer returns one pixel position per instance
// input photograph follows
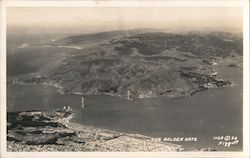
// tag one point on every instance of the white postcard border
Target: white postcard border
(131, 3)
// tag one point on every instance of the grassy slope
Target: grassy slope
(147, 64)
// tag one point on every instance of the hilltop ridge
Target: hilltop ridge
(145, 64)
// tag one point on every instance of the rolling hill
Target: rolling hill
(145, 64)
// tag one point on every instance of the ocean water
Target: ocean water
(209, 113)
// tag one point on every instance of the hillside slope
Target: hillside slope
(143, 65)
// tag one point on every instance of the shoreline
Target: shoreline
(88, 129)
(53, 131)
(210, 81)
(169, 93)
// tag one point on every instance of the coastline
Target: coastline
(53, 131)
(96, 142)
(214, 82)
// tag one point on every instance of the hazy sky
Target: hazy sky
(91, 19)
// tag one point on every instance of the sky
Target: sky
(96, 19)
